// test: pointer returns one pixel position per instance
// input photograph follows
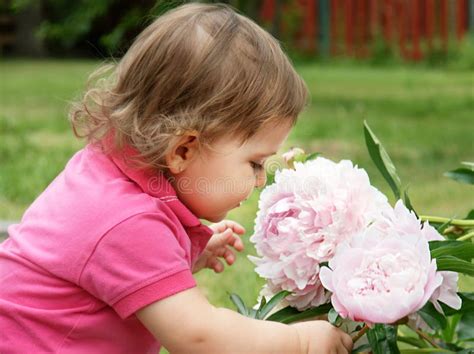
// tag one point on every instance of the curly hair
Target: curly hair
(199, 67)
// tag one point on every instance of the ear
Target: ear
(182, 152)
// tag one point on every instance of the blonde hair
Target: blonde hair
(199, 67)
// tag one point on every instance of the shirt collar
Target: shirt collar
(157, 185)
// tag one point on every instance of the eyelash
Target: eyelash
(256, 166)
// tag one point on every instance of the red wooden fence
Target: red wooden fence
(352, 27)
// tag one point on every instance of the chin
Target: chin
(215, 219)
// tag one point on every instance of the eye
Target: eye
(256, 166)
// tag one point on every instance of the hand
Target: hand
(217, 247)
(320, 337)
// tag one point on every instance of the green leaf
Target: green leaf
(470, 215)
(416, 342)
(455, 264)
(252, 313)
(448, 333)
(383, 339)
(463, 175)
(290, 314)
(425, 350)
(433, 318)
(443, 226)
(312, 156)
(332, 316)
(465, 327)
(466, 351)
(263, 301)
(275, 300)
(239, 304)
(407, 202)
(362, 348)
(381, 159)
(451, 346)
(469, 164)
(459, 249)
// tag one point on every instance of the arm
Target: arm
(187, 323)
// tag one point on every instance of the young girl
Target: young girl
(102, 261)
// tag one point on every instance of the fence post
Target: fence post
(334, 36)
(415, 17)
(429, 23)
(444, 24)
(348, 26)
(461, 18)
(471, 16)
(324, 37)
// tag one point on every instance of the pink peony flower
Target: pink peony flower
(380, 276)
(447, 292)
(402, 221)
(405, 223)
(302, 219)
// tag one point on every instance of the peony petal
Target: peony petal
(325, 275)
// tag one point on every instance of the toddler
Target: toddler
(103, 260)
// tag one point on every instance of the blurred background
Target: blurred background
(405, 66)
(376, 30)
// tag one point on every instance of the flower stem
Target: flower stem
(360, 334)
(452, 229)
(427, 338)
(441, 220)
(466, 236)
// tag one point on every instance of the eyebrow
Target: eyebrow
(266, 154)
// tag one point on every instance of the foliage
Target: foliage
(107, 24)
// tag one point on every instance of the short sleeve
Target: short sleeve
(137, 262)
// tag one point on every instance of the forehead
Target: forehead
(267, 140)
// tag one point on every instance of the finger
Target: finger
(236, 227)
(216, 265)
(218, 227)
(228, 224)
(229, 256)
(227, 238)
(220, 240)
(341, 349)
(237, 243)
(347, 341)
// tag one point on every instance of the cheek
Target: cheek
(215, 187)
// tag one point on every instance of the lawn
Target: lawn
(423, 116)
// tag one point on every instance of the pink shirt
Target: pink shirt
(102, 241)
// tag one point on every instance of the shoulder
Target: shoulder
(88, 203)
(138, 261)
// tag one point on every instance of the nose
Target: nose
(261, 179)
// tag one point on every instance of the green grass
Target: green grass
(424, 117)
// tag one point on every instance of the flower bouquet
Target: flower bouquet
(329, 244)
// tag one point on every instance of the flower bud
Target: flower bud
(294, 155)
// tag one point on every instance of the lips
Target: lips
(240, 204)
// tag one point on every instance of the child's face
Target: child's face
(215, 182)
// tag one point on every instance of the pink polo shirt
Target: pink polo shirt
(102, 241)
